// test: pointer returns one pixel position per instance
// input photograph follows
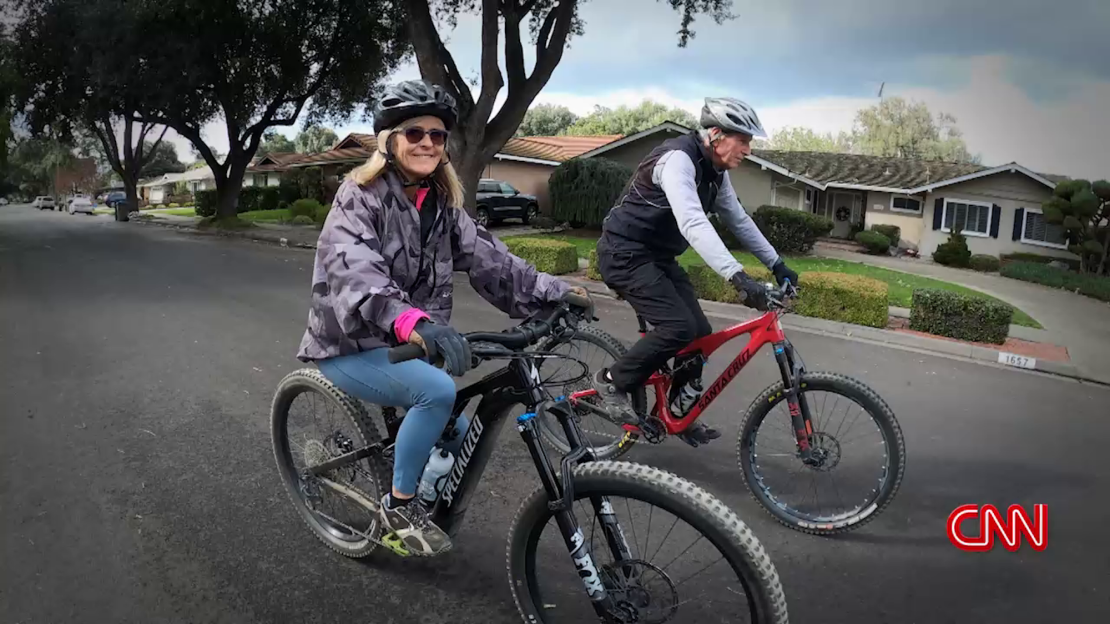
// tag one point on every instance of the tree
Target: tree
(1083, 209)
(315, 139)
(899, 128)
(256, 64)
(546, 120)
(87, 51)
(34, 162)
(274, 141)
(800, 139)
(624, 120)
(479, 133)
(163, 159)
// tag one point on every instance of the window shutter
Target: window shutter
(938, 212)
(1019, 219)
(996, 216)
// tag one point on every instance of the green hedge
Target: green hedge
(954, 252)
(305, 208)
(875, 242)
(252, 198)
(984, 263)
(833, 296)
(593, 271)
(843, 297)
(1090, 285)
(892, 232)
(321, 214)
(1041, 259)
(960, 316)
(583, 190)
(790, 231)
(205, 203)
(550, 256)
(303, 220)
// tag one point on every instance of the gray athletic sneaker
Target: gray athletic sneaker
(614, 400)
(412, 526)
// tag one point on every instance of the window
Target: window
(973, 217)
(506, 189)
(1037, 231)
(488, 187)
(902, 203)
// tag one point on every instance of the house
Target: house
(159, 190)
(524, 162)
(999, 207)
(267, 170)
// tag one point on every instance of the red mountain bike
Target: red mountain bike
(811, 446)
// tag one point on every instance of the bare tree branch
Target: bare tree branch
(435, 61)
(492, 80)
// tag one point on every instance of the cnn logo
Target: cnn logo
(991, 523)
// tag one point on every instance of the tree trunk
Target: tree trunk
(227, 194)
(470, 171)
(131, 192)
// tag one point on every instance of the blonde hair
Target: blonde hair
(445, 178)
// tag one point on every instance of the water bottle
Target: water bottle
(686, 399)
(439, 465)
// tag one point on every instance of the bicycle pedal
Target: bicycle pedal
(394, 543)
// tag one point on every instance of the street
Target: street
(137, 481)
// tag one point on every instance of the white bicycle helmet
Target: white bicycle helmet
(731, 115)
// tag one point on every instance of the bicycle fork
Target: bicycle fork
(560, 493)
(800, 419)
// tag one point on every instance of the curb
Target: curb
(256, 235)
(885, 337)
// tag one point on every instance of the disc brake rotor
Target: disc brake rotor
(643, 592)
(826, 450)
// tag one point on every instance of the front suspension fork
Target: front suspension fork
(800, 418)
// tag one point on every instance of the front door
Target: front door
(844, 210)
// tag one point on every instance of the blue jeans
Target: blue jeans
(426, 392)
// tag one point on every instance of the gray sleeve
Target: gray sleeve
(674, 173)
(734, 216)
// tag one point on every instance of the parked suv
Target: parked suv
(42, 202)
(115, 197)
(498, 200)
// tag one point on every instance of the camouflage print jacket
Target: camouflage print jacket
(370, 268)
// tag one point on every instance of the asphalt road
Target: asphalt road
(137, 482)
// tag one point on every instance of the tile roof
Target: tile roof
(832, 168)
(554, 148)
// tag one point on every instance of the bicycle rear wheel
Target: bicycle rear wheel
(312, 421)
(848, 448)
(597, 349)
(729, 578)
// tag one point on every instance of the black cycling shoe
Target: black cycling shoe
(699, 433)
(615, 402)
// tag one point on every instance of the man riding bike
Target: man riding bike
(383, 276)
(662, 212)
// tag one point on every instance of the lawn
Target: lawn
(180, 212)
(900, 286)
(267, 216)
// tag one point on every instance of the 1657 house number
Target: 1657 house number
(1013, 359)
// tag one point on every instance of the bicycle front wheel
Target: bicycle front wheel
(859, 455)
(687, 557)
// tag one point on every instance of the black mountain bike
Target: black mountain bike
(613, 518)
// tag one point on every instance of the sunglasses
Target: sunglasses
(416, 134)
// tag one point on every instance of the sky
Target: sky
(1027, 80)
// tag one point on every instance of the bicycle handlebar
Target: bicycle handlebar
(515, 338)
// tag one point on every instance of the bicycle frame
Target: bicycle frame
(518, 383)
(764, 329)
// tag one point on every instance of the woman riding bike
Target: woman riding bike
(383, 276)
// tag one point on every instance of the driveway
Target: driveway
(1081, 324)
(137, 482)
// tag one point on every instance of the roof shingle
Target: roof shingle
(832, 168)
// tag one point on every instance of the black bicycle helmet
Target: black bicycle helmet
(413, 98)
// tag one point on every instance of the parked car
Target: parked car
(115, 197)
(3, 201)
(498, 200)
(42, 202)
(80, 204)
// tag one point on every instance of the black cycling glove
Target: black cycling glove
(442, 341)
(783, 273)
(752, 293)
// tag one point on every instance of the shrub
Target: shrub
(283, 205)
(1032, 257)
(1090, 285)
(248, 199)
(583, 190)
(953, 253)
(593, 271)
(303, 220)
(322, 213)
(960, 316)
(845, 298)
(304, 208)
(709, 285)
(893, 232)
(550, 256)
(172, 205)
(268, 199)
(875, 242)
(790, 231)
(206, 203)
(984, 263)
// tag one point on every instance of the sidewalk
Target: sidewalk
(1079, 323)
(903, 339)
(303, 236)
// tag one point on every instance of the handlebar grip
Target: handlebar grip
(405, 353)
(577, 300)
